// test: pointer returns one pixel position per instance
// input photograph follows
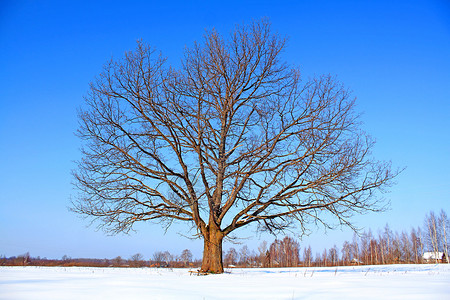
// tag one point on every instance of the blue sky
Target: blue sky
(394, 55)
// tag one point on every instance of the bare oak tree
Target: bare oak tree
(234, 137)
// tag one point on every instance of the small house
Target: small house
(434, 256)
(356, 261)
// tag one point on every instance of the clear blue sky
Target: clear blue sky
(394, 55)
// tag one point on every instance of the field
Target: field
(358, 282)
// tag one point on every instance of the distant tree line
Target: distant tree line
(385, 247)
(160, 259)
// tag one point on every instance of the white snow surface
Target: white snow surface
(354, 282)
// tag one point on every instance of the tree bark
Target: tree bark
(212, 252)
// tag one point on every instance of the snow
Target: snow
(354, 282)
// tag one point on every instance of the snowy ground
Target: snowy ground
(362, 282)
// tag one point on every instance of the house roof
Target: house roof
(433, 255)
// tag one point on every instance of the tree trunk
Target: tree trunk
(212, 251)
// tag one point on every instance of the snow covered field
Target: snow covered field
(359, 282)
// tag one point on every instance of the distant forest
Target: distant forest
(427, 244)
